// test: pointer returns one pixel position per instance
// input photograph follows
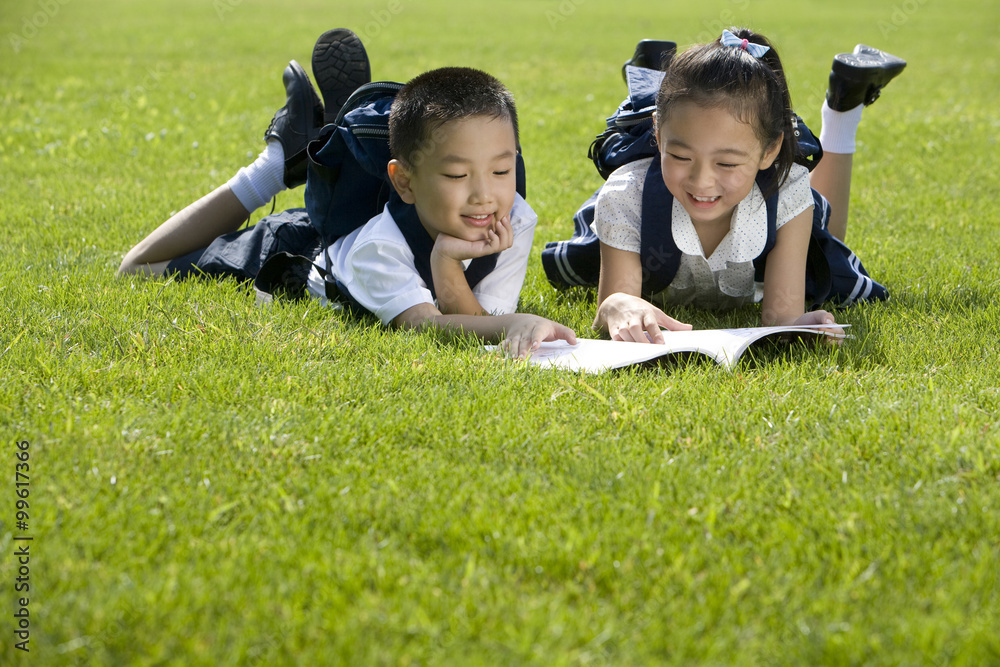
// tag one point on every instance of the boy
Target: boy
(450, 248)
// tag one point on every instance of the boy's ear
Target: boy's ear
(771, 154)
(399, 174)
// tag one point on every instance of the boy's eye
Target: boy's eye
(455, 176)
(727, 165)
(502, 173)
(679, 158)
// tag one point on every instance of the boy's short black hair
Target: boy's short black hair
(434, 98)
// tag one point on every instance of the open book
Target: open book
(725, 346)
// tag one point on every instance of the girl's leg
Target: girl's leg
(856, 80)
(832, 176)
(832, 179)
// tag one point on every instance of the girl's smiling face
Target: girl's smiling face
(709, 160)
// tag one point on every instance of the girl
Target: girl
(695, 224)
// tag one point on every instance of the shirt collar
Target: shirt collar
(744, 242)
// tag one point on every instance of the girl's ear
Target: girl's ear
(399, 174)
(771, 154)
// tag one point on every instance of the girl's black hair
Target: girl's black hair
(752, 89)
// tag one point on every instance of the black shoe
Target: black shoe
(297, 123)
(858, 78)
(651, 54)
(340, 65)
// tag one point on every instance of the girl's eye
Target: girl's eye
(502, 173)
(678, 157)
(454, 176)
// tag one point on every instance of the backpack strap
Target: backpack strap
(658, 252)
(347, 183)
(764, 180)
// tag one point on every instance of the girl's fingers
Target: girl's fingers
(652, 327)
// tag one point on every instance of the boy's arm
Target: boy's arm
(519, 333)
(454, 296)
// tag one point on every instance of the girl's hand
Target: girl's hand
(499, 237)
(823, 317)
(633, 319)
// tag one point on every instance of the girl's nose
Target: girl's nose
(700, 174)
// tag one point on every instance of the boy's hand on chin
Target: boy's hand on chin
(498, 238)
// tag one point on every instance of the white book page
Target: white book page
(725, 346)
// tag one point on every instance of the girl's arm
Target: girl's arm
(621, 311)
(785, 277)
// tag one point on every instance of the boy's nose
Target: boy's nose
(480, 192)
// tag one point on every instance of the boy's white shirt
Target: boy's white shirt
(724, 280)
(376, 265)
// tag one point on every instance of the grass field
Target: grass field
(213, 482)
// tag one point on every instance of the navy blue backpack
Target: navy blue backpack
(834, 273)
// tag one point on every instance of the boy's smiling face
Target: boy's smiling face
(464, 181)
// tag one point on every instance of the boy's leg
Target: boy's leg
(198, 224)
(283, 162)
(856, 80)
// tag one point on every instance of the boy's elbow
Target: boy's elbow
(416, 317)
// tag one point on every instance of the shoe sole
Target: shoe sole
(340, 65)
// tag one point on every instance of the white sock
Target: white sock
(839, 129)
(257, 184)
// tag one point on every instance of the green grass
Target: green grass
(213, 482)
